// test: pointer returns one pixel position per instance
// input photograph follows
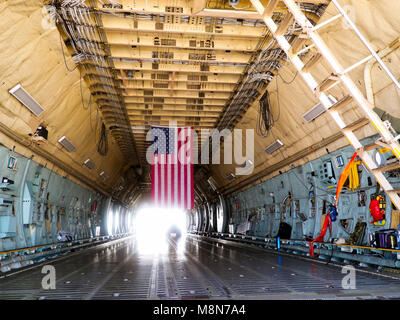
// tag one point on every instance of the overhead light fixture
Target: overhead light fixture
(26, 99)
(317, 110)
(273, 147)
(104, 175)
(67, 144)
(89, 163)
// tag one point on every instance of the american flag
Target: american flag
(172, 167)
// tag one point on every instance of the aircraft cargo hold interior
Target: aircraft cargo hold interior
(199, 150)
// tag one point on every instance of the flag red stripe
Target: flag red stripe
(165, 180)
(191, 170)
(159, 185)
(172, 181)
(185, 168)
(178, 168)
(152, 181)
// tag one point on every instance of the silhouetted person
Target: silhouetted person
(174, 232)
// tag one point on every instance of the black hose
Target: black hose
(265, 120)
(102, 147)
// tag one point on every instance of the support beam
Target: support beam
(198, 9)
(165, 107)
(180, 77)
(177, 94)
(114, 23)
(171, 113)
(186, 42)
(170, 55)
(174, 101)
(163, 122)
(161, 67)
(189, 86)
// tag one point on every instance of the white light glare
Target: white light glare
(152, 225)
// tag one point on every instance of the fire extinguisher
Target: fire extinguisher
(237, 204)
(377, 209)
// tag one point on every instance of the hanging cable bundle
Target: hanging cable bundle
(102, 147)
(265, 119)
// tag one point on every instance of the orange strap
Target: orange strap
(320, 238)
(343, 177)
(327, 222)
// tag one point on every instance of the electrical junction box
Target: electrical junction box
(8, 226)
(326, 173)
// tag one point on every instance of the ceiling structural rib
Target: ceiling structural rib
(170, 55)
(151, 92)
(194, 8)
(183, 42)
(210, 68)
(189, 103)
(165, 107)
(188, 86)
(179, 77)
(178, 27)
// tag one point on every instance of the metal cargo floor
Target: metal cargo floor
(205, 269)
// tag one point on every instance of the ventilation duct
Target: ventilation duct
(273, 147)
(26, 99)
(317, 110)
(89, 163)
(67, 144)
